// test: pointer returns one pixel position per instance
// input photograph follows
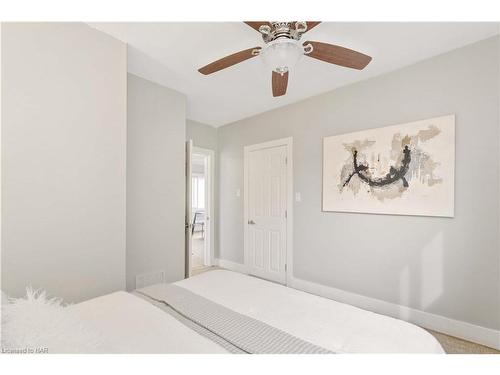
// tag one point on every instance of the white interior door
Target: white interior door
(188, 215)
(266, 200)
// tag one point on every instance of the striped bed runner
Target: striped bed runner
(235, 332)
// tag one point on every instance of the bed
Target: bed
(139, 323)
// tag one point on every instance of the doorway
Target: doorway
(201, 228)
(268, 210)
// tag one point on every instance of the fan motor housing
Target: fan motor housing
(288, 30)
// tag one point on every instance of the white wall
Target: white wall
(155, 180)
(447, 267)
(63, 160)
(1, 155)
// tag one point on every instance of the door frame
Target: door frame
(209, 202)
(288, 142)
(187, 215)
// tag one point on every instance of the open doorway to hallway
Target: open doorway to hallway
(201, 209)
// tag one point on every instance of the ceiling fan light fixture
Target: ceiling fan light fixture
(282, 50)
(281, 55)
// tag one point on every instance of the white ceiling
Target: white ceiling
(170, 53)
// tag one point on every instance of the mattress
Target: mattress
(130, 324)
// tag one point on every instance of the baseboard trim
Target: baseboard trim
(457, 328)
(452, 327)
(232, 266)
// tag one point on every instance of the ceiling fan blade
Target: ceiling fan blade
(280, 82)
(311, 24)
(228, 61)
(338, 55)
(256, 24)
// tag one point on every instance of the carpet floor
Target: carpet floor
(454, 345)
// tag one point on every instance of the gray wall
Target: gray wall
(155, 180)
(203, 135)
(63, 160)
(448, 267)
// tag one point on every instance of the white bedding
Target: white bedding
(128, 324)
(132, 325)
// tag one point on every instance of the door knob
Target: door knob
(251, 222)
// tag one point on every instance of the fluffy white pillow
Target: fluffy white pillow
(38, 324)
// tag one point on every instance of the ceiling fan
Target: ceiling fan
(283, 49)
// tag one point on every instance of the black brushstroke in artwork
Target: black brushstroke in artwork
(391, 177)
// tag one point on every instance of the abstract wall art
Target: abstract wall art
(406, 169)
